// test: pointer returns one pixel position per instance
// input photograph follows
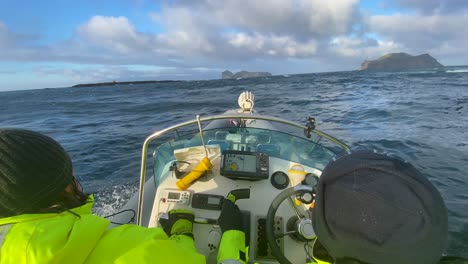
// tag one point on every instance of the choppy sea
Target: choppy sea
(420, 116)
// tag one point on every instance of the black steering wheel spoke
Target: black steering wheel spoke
(301, 222)
(287, 233)
(294, 207)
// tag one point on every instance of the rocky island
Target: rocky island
(401, 62)
(243, 74)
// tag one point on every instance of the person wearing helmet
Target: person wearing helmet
(372, 208)
(46, 218)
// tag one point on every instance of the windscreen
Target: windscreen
(275, 143)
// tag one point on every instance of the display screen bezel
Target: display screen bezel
(244, 157)
(261, 167)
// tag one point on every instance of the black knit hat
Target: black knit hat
(379, 209)
(34, 170)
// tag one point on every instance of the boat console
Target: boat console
(270, 173)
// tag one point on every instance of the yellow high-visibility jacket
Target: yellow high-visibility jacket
(86, 238)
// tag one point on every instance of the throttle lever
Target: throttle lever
(238, 194)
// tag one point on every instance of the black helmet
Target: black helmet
(379, 209)
(34, 170)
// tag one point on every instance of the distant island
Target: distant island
(401, 62)
(243, 74)
(120, 83)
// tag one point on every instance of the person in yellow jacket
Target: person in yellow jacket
(46, 218)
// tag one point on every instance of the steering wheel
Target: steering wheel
(303, 229)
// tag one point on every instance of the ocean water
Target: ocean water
(421, 117)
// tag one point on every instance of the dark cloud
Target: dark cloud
(303, 19)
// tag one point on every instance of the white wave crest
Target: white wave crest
(459, 70)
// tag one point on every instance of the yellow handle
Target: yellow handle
(197, 172)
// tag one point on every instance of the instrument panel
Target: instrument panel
(265, 179)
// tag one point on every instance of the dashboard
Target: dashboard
(263, 176)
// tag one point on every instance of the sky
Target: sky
(59, 43)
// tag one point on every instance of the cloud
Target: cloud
(5, 38)
(434, 6)
(272, 45)
(206, 33)
(7, 72)
(369, 48)
(97, 73)
(11, 40)
(302, 19)
(281, 36)
(250, 30)
(16, 46)
(203, 34)
(115, 33)
(440, 35)
(187, 33)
